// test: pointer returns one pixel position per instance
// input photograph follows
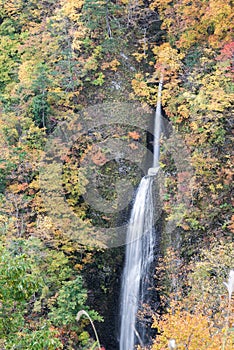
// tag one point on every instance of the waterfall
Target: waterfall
(139, 255)
(157, 126)
(140, 243)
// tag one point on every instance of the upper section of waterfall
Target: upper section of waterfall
(157, 126)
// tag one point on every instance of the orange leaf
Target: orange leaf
(99, 158)
(134, 135)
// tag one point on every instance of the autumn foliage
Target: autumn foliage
(58, 58)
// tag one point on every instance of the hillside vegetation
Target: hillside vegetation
(57, 60)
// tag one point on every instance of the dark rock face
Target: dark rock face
(103, 281)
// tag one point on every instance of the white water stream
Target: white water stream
(140, 243)
(139, 255)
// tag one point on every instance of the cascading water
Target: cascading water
(139, 255)
(140, 243)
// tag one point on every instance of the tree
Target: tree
(194, 297)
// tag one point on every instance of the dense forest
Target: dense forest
(78, 89)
